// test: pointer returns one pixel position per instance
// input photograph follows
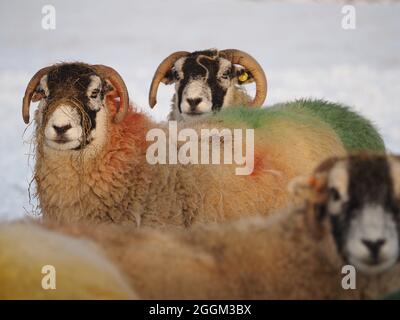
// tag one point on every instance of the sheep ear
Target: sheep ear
(169, 77)
(109, 90)
(306, 190)
(243, 76)
(309, 189)
(302, 187)
(37, 96)
(40, 91)
(108, 87)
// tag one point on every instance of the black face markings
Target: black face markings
(95, 93)
(217, 91)
(70, 81)
(340, 227)
(370, 183)
(334, 194)
(202, 65)
(171, 76)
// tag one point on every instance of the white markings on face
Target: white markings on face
(365, 228)
(63, 130)
(93, 93)
(179, 67)
(42, 104)
(193, 90)
(197, 95)
(338, 181)
(227, 82)
(196, 98)
(98, 136)
(43, 85)
(372, 244)
(224, 73)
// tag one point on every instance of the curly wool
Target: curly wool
(75, 186)
(118, 185)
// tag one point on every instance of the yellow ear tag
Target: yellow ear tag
(243, 77)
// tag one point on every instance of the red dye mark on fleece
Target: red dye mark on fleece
(127, 138)
(258, 164)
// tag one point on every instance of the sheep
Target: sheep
(91, 154)
(208, 81)
(29, 255)
(348, 215)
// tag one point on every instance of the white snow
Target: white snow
(302, 46)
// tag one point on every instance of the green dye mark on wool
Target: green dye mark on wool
(356, 132)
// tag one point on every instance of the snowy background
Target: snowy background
(301, 45)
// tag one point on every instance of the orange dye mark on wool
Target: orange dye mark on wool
(128, 137)
(258, 164)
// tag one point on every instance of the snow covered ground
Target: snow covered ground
(302, 46)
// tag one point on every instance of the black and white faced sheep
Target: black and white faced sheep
(92, 164)
(92, 153)
(207, 81)
(72, 104)
(357, 200)
(350, 220)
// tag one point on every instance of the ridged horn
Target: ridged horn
(160, 73)
(244, 59)
(30, 89)
(118, 83)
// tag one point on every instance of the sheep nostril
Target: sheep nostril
(193, 103)
(62, 129)
(374, 246)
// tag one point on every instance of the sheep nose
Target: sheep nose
(61, 130)
(193, 103)
(374, 246)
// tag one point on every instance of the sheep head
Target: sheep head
(72, 105)
(205, 80)
(353, 206)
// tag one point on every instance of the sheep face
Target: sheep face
(356, 202)
(207, 81)
(72, 113)
(204, 82)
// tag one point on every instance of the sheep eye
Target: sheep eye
(42, 93)
(38, 95)
(95, 93)
(226, 75)
(334, 194)
(176, 75)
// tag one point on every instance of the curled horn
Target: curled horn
(118, 83)
(160, 73)
(30, 89)
(247, 61)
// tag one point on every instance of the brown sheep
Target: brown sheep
(91, 155)
(351, 216)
